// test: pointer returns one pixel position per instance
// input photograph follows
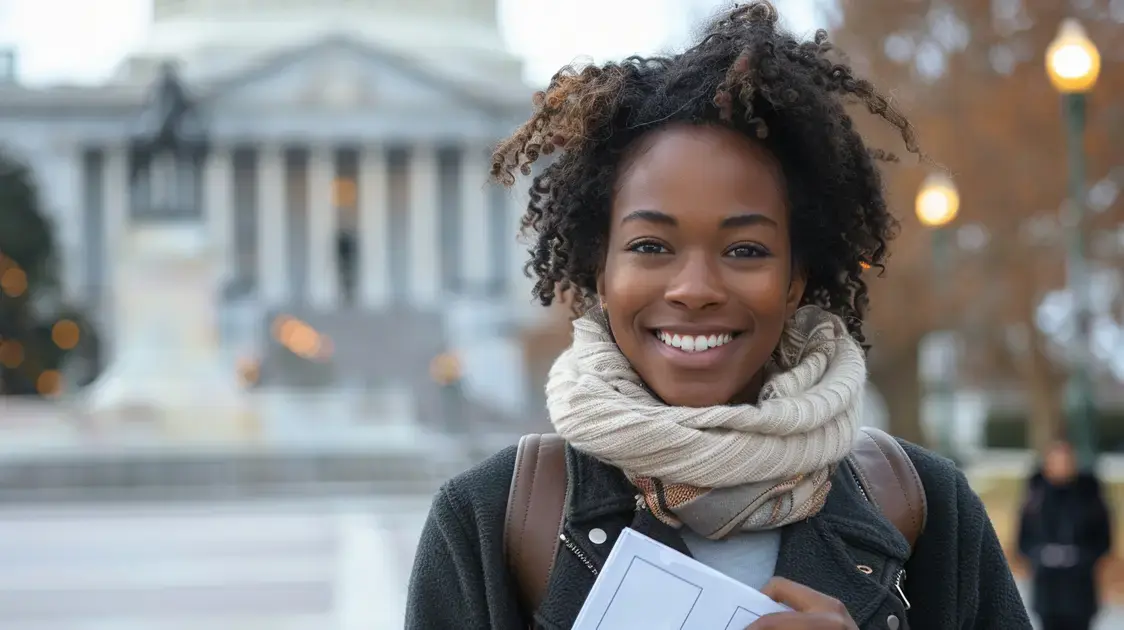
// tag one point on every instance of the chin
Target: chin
(695, 394)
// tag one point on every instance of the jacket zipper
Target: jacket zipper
(641, 505)
(898, 586)
(574, 549)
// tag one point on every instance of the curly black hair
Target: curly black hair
(747, 74)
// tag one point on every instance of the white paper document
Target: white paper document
(646, 585)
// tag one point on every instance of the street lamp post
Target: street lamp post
(1073, 65)
(938, 203)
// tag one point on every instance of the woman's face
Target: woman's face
(698, 278)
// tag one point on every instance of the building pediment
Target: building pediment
(342, 74)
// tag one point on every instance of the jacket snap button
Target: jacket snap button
(892, 622)
(597, 536)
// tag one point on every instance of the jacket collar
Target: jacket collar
(832, 552)
(595, 488)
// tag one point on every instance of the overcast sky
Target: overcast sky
(82, 40)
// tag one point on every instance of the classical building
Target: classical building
(335, 157)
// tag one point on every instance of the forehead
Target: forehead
(693, 169)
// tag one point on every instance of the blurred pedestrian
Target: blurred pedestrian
(1064, 531)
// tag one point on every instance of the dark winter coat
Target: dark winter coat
(957, 576)
(1071, 515)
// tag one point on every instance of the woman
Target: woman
(712, 214)
(1064, 531)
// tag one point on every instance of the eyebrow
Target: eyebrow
(732, 221)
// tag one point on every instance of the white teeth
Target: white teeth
(693, 343)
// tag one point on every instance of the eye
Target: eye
(647, 247)
(747, 250)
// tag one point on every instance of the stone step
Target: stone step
(219, 476)
(107, 474)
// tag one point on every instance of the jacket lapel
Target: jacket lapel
(848, 551)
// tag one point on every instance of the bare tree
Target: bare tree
(971, 76)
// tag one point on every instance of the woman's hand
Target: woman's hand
(812, 610)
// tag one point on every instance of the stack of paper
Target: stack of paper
(646, 585)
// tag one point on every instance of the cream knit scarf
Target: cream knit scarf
(725, 468)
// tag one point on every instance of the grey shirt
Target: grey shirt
(750, 557)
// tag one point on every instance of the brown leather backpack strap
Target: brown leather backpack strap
(891, 481)
(535, 508)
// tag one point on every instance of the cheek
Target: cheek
(626, 290)
(764, 291)
(627, 287)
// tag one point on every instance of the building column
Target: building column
(374, 230)
(115, 223)
(476, 232)
(218, 208)
(425, 235)
(519, 285)
(323, 228)
(116, 198)
(273, 229)
(73, 245)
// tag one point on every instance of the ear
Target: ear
(796, 286)
(601, 287)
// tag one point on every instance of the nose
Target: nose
(696, 285)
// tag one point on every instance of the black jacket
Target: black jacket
(956, 578)
(1072, 515)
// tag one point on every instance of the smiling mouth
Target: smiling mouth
(694, 343)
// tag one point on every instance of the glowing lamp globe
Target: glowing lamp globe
(938, 201)
(1072, 60)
